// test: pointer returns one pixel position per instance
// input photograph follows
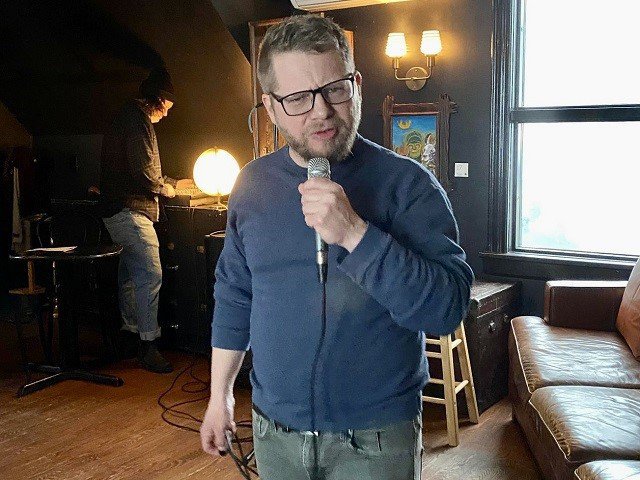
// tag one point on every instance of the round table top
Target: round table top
(78, 254)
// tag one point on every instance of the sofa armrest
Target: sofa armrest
(586, 304)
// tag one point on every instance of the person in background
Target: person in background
(131, 181)
(336, 390)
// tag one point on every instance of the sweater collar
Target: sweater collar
(345, 164)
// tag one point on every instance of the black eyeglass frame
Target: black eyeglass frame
(351, 77)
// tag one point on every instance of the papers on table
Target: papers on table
(53, 249)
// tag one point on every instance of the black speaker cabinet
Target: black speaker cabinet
(213, 244)
(185, 297)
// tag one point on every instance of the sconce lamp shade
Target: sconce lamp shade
(215, 172)
(431, 43)
(396, 45)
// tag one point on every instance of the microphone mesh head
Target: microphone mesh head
(318, 168)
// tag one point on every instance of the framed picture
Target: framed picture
(421, 131)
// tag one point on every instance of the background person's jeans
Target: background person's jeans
(139, 272)
(390, 453)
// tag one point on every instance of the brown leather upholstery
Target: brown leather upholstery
(609, 470)
(589, 423)
(573, 381)
(548, 355)
(628, 321)
(550, 461)
(591, 305)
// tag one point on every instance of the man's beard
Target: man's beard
(342, 142)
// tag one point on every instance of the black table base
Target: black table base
(60, 374)
(70, 367)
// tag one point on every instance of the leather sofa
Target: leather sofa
(574, 383)
(609, 470)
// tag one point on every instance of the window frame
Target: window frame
(502, 257)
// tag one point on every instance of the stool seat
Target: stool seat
(35, 290)
(446, 347)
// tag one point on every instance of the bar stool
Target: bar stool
(30, 305)
(452, 387)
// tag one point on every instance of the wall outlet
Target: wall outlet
(461, 170)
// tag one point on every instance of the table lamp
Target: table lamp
(214, 173)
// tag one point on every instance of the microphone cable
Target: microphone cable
(314, 368)
(244, 462)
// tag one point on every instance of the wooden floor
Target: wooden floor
(77, 430)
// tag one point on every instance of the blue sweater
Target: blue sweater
(407, 276)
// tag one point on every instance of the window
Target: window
(566, 172)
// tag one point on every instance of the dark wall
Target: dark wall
(12, 132)
(236, 14)
(463, 70)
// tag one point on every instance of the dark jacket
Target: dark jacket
(131, 175)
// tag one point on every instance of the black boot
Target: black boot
(127, 344)
(151, 359)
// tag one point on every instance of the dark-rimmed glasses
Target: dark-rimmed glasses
(299, 103)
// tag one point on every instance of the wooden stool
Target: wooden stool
(451, 386)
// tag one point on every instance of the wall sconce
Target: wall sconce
(214, 173)
(430, 46)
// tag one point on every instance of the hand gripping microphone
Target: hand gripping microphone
(319, 168)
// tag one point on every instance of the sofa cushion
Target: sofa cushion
(566, 356)
(609, 470)
(628, 320)
(590, 423)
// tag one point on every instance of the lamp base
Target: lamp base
(219, 206)
(416, 78)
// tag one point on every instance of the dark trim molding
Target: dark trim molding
(553, 267)
(499, 168)
(619, 113)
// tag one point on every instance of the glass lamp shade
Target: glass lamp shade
(215, 172)
(396, 45)
(431, 43)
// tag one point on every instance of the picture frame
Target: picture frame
(421, 131)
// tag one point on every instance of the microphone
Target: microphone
(319, 168)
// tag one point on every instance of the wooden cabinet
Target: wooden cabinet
(487, 325)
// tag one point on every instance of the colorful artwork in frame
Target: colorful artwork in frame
(414, 136)
(421, 131)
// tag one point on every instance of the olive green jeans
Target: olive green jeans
(393, 452)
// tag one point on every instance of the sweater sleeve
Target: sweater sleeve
(418, 271)
(232, 291)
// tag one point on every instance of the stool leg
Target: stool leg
(450, 400)
(44, 338)
(23, 349)
(467, 374)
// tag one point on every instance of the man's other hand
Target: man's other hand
(217, 420)
(168, 191)
(185, 183)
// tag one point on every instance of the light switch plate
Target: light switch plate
(461, 170)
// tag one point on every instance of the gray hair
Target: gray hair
(300, 33)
